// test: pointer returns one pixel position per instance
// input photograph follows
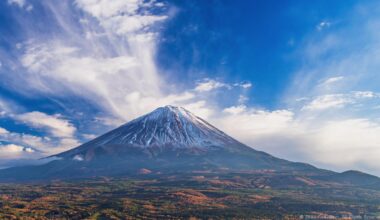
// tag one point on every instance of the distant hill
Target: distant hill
(356, 178)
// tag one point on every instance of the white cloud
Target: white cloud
(13, 150)
(45, 145)
(120, 16)
(159, 4)
(298, 136)
(334, 101)
(104, 81)
(332, 80)
(365, 94)
(65, 144)
(235, 109)
(323, 24)
(328, 102)
(60, 133)
(89, 136)
(29, 150)
(245, 85)
(249, 123)
(109, 121)
(209, 84)
(24, 139)
(54, 124)
(7, 106)
(242, 99)
(200, 108)
(3, 131)
(78, 158)
(106, 9)
(355, 140)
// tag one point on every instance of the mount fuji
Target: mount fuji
(165, 128)
(168, 140)
(172, 138)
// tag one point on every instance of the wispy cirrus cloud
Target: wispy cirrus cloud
(210, 84)
(123, 17)
(328, 102)
(113, 69)
(331, 81)
(207, 85)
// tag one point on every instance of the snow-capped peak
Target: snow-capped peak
(167, 125)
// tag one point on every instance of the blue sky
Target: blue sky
(298, 79)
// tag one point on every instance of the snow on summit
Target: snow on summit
(167, 125)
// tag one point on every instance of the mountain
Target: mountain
(166, 127)
(168, 140)
(173, 138)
